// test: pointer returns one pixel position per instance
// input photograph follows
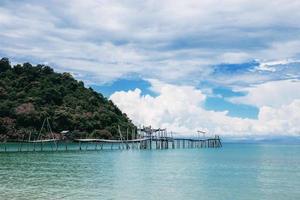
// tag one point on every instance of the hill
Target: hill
(29, 94)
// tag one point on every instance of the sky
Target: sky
(228, 67)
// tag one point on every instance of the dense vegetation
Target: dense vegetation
(29, 94)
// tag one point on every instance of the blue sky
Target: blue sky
(229, 67)
(124, 85)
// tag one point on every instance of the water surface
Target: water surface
(236, 171)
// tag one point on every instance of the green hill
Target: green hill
(29, 94)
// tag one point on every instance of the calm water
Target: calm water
(236, 171)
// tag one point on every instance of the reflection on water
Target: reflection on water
(233, 172)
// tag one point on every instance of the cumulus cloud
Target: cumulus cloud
(273, 93)
(283, 120)
(180, 109)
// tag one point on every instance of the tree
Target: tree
(103, 134)
(4, 65)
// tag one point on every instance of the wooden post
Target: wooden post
(22, 143)
(51, 146)
(28, 141)
(127, 134)
(18, 144)
(56, 145)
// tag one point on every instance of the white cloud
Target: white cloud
(180, 109)
(151, 38)
(273, 93)
(235, 57)
(281, 50)
(283, 120)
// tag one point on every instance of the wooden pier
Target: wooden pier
(102, 144)
(146, 138)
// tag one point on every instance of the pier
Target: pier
(146, 138)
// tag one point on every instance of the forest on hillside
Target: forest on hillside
(30, 94)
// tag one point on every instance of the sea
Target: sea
(234, 172)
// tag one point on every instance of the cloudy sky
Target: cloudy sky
(229, 67)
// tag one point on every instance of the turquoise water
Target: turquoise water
(234, 172)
